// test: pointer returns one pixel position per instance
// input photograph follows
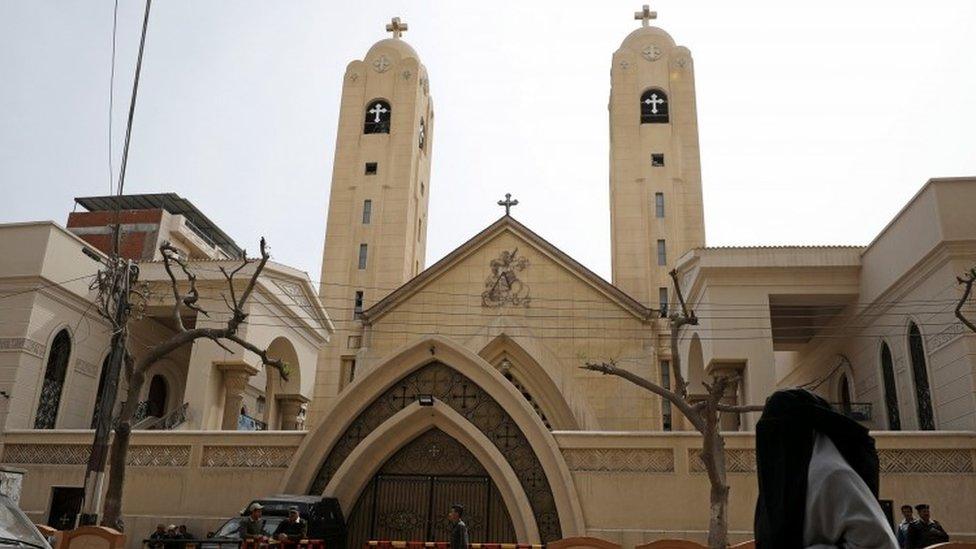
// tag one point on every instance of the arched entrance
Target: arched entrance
(158, 392)
(472, 404)
(381, 412)
(409, 496)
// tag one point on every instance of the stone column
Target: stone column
(236, 373)
(289, 408)
(729, 422)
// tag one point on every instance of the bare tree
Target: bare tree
(136, 369)
(967, 281)
(702, 412)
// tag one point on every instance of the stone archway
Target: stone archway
(408, 497)
(471, 404)
(329, 436)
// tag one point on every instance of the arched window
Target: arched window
(157, 396)
(101, 387)
(377, 117)
(890, 394)
(923, 397)
(845, 395)
(654, 107)
(57, 369)
(422, 138)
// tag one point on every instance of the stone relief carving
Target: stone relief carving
(144, 455)
(406, 75)
(29, 346)
(926, 461)
(503, 286)
(620, 460)
(247, 456)
(86, 368)
(625, 64)
(297, 294)
(943, 338)
(736, 461)
(681, 62)
(651, 52)
(382, 63)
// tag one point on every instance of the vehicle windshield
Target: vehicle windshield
(14, 524)
(231, 527)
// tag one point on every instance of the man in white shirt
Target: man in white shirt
(908, 515)
(818, 478)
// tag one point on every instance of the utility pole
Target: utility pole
(115, 283)
(122, 274)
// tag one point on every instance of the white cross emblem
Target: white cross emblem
(379, 109)
(653, 101)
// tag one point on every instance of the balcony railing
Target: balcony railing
(248, 423)
(858, 411)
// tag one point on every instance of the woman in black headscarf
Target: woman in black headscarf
(818, 478)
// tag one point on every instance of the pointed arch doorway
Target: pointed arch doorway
(410, 495)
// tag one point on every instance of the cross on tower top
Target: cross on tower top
(397, 27)
(644, 16)
(508, 203)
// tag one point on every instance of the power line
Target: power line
(46, 286)
(111, 99)
(737, 306)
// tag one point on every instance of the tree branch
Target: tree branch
(265, 256)
(681, 298)
(170, 255)
(745, 408)
(678, 401)
(967, 280)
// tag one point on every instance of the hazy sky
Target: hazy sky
(818, 120)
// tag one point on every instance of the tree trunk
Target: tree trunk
(713, 455)
(112, 514)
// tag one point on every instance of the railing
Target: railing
(173, 419)
(248, 423)
(858, 411)
(212, 543)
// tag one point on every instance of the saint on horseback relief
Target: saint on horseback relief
(503, 285)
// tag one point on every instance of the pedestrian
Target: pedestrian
(925, 531)
(459, 532)
(818, 478)
(293, 529)
(908, 515)
(252, 526)
(183, 533)
(158, 534)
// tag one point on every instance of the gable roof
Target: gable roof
(507, 223)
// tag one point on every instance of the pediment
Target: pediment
(507, 265)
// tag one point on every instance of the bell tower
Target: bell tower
(655, 173)
(376, 233)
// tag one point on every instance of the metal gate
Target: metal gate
(402, 503)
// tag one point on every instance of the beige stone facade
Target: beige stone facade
(45, 288)
(656, 211)
(485, 346)
(376, 236)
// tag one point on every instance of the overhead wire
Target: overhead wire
(111, 99)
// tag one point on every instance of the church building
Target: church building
(462, 382)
